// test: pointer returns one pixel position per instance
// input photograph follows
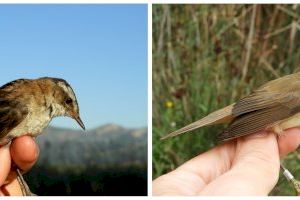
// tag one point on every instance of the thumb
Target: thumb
(254, 168)
(5, 163)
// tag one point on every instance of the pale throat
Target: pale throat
(57, 110)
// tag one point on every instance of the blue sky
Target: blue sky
(101, 50)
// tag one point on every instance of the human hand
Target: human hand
(23, 152)
(246, 166)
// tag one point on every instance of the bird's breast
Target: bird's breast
(33, 124)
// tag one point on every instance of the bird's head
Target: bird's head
(64, 101)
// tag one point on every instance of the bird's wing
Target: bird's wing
(260, 100)
(258, 110)
(273, 101)
(271, 94)
(12, 113)
(270, 99)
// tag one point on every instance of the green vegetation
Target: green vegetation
(208, 56)
(130, 180)
(109, 160)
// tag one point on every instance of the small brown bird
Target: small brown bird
(274, 107)
(28, 105)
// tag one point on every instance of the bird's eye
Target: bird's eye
(69, 101)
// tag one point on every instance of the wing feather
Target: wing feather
(12, 113)
(255, 118)
(217, 117)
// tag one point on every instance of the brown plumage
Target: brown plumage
(275, 106)
(28, 105)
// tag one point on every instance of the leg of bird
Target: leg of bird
(287, 174)
(278, 129)
(21, 183)
(24, 187)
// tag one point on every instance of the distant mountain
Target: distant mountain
(106, 145)
(109, 160)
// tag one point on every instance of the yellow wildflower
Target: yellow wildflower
(169, 104)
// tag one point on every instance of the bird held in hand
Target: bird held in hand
(274, 107)
(28, 105)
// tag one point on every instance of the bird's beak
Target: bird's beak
(79, 121)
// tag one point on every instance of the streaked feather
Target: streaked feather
(12, 113)
(253, 122)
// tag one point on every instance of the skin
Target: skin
(246, 166)
(24, 152)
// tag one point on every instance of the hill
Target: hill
(94, 160)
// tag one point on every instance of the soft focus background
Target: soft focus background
(208, 56)
(101, 50)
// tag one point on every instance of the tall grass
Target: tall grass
(208, 56)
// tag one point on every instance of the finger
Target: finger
(289, 141)
(5, 163)
(193, 175)
(11, 189)
(261, 148)
(196, 173)
(254, 170)
(217, 161)
(24, 152)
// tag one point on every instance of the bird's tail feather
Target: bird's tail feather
(217, 117)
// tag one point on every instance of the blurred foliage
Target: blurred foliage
(126, 180)
(208, 56)
(107, 160)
